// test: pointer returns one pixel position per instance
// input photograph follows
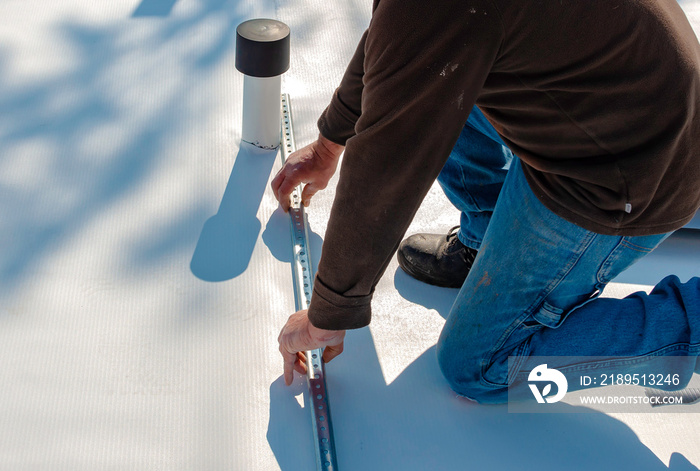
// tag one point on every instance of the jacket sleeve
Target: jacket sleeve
(423, 67)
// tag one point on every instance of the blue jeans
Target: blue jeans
(533, 289)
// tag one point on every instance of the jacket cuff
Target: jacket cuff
(337, 122)
(332, 311)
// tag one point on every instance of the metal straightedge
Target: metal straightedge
(319, 405)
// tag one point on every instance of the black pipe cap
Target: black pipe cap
(262, 48)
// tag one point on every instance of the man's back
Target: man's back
(600, 99)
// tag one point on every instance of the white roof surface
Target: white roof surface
(144, 268)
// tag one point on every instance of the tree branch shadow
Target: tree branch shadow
(160, 8)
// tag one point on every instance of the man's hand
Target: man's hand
(298, 336)
(313, 165)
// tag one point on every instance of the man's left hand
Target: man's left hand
(299, 336)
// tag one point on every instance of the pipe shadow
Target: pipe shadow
(227, 240)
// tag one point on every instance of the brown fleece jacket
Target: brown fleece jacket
(599, 99)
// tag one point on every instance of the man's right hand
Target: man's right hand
(313, 165)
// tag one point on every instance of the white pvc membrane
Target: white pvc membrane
(145, 267)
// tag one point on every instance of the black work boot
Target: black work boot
(436, 259)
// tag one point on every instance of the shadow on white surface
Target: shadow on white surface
(277, 236)
(62, 178)
(154, 8)
(678, 255)
(431, 297)
(72, 147)
(460, 432)
(228, 238)
(695, 222)
(418, 423)
(289, 429)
